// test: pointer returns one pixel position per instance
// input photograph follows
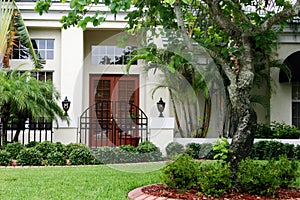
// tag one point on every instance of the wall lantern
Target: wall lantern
(66, 105)
(161, 106)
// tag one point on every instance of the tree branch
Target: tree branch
(282, 15)
(222, 20)
(180, 22)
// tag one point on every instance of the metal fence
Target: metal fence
(31, 130)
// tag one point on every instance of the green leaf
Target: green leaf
(73, 4)
(82, 2)
(171, 2)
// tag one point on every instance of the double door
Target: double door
(113, 97)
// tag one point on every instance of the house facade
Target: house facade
(90, 66)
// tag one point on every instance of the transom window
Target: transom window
(112, 55)
(44, 46)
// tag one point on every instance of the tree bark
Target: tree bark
(239, 91)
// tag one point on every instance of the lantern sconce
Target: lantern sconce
(161, 107)
(66, 105)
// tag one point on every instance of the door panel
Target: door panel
(105, 91)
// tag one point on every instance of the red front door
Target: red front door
(104, 91)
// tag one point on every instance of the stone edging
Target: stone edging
(137, 194)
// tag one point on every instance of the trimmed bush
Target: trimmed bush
(277, 130)
(72, 146)
(257, 177)
(30, 157)
(174, 149)
(45, 148)
(124, 156)
(31, 144)
(82, 156)
(128, 148)
(14, 149)
(297, 152)
(181, 174)
(200, 151)
(148, 152)
(5, 158)
(59, 147)
(287, 171)
(206, 151)
(56, 158)
(215, 178)
(193, 149)
(265, 150)
(105, 155)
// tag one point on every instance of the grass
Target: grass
(81, 182)
(103, 182)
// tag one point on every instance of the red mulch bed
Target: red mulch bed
(161, 191)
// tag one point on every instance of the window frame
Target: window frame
(48, 49)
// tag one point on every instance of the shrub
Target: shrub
(148, 152)
(5, 158)
(59, 147)
(277, 130)
(215, 178)
(72, 146)
(174, 149)
(124, 156)
(128, 148)
(181, 174)
(45, 148)
(14, 149)
(297, 152)
(82, 156)
(30, 156)
(258, 150)
(105, 155)
(265, 150)
(206, 151)
(287, 171)
(56, 158)
(256, 177)
(193, 149)
(31, 144)
(221, 149)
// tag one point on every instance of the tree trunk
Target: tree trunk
(4, 131)
(206, 117)
(243, 137)
(20, 126)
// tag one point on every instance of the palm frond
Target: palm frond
(28, 96)
(24, 37)
(6, 11)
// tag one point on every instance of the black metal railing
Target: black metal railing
(29, 130)
(113, 123)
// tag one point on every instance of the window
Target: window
(112, 55)
(296, 104)
(44, 47)
(42, 75)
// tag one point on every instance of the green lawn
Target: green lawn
(81, 182)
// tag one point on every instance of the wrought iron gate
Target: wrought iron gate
(113, 123)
